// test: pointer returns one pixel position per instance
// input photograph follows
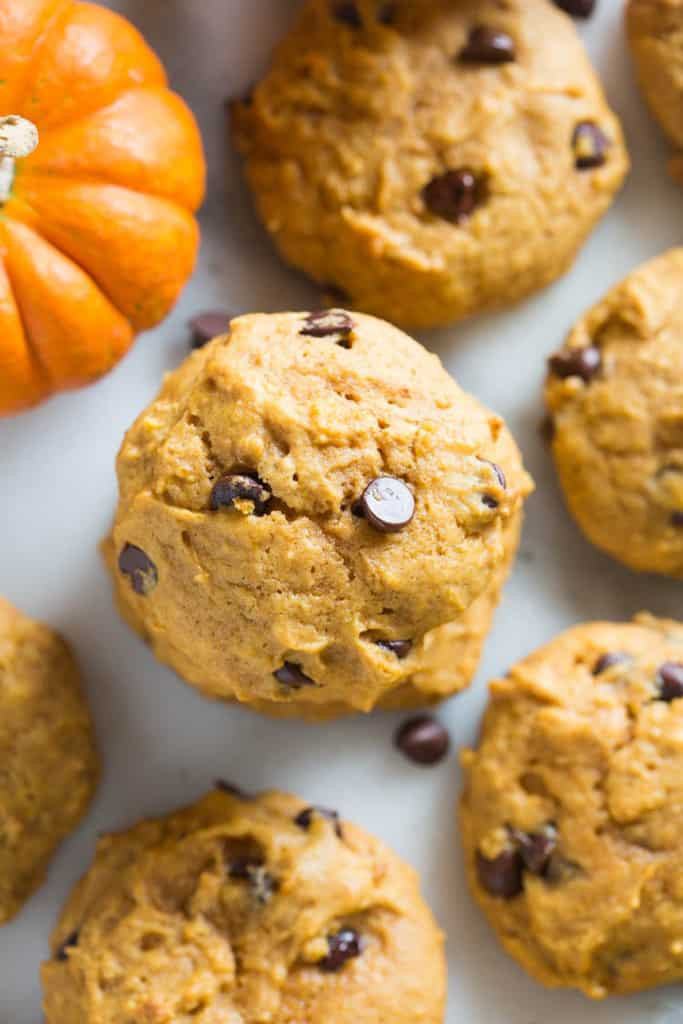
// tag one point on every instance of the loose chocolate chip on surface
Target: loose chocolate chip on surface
(143, 573)
(305, 818)
(607, 660)
(670, 677)
(348, 14)
(536, 848)
(401, 648)
(343, 946)
(454, 196)
(577, 8)
(69, 943)
(291, 675)
(423, 740)
(239, 487)
(334, 324)
(388, 504)
(502, 876)
(590, 145)
(207, 326)
(576, 362)
(488, 45)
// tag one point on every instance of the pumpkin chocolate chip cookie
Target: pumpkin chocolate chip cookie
(615, 395)
(430, 160)
(308, 499)
(48, 764)
(655, 33)
(572, 811)
(246, 909)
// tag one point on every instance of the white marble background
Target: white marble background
(161, 743)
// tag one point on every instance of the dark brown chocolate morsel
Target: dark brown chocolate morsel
(207, 326)
(488, 45)
(134, 563)
(607, 660)
(292, 676)
(305, 818)
(670, 679)
(343, 946)
(502, 876)
(423, 740)
(590, 145)
(388, 504)
(576, 362)
(454, 196)
(401, 648)
(240, 487)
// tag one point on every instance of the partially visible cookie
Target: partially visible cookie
(615, 395)
(48, 764)
(253, 910)
(572, 810)
(655, 33)
(430, 159)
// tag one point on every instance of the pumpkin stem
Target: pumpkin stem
(18, 138)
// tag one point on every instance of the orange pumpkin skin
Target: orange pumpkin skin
(98, 236)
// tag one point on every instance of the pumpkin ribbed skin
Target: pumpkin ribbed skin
(98, 236)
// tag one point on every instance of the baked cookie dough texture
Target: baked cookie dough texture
(655, 33)
(289, 596)
(245, 910)
(48, 764)
(615, 395)
(430, 159)
(572, 811)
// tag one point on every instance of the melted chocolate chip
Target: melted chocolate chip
(143, 573)
(343, 946)
(334, 324)
(576, 362)
(670, 678)
(207, 326)
(502, 876)
(305, 818)
(453, 196)
(240, 487)
(606, 661)
(347, 14)
(590, 145)
(69, 943)
(488, 45)
(577, 8)
(536, 848)
(423, 740)
(291, 676)
(401, 648)
(388, 504)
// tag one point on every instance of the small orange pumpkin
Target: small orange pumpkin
(97, 227)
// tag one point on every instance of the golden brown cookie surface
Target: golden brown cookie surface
(572, 811)
(250, 910)
(655, 33)
(247, 547)
(48, 764)
(433, 159)
(615, 393)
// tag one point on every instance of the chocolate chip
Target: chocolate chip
(502, 876)
(69, 943)
(334, 324)
(576, 362)
(143, 573)
(577, 8)
(677, 518)
(454, 196)
(388, 504)
(670, 678)
(305, 818)
(387, 13)
(606, 661)
(536, 848)
(251, 869)
(240, 487)
(499, 473)
(290, 675)
(401, 648)
(487, 45)
(348, 14)
(490, 501)
(590, 145)
(228, 787)
(343, 946)
(423, 740)
(207, 326)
